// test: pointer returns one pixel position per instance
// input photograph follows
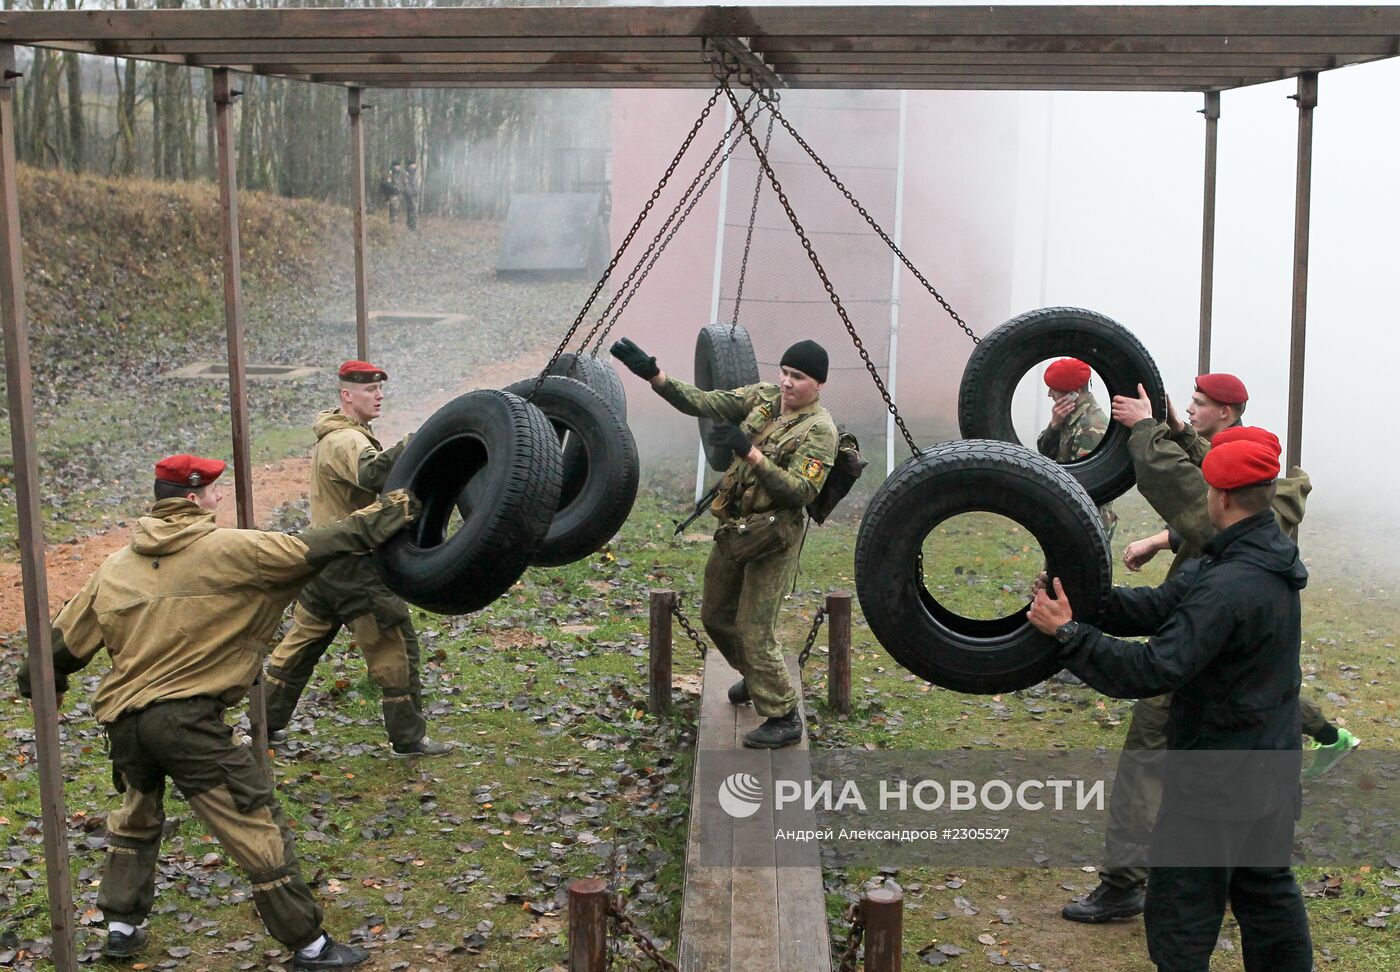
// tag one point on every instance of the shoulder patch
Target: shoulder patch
(812, 468)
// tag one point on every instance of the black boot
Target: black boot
(776, 732)
(739, 693)
(120, 945)
(336, 955)
(1105, 903)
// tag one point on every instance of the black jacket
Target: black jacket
(1225, 635)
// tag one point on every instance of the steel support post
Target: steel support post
(660, 653)
(357, 200)
(1212, 114)
(895, 272)
(13, 318)
(1302, 217)
(701, 463)
(237, 366)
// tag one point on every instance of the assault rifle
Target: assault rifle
(700, 508)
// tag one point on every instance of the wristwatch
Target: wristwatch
(1065, 633)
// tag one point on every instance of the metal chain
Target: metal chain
(598, 345)
(856, 917)
(689, 629)
(636, 225)
(748, 239)
(620, 918)
(821, 272)
(811, 637)
(826, 169)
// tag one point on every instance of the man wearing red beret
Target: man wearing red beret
(1077, 424)
(1225, 633)
(1167, 457)
(186, 613)
(348, 469)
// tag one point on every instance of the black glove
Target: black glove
(637, 361)
(730, 437)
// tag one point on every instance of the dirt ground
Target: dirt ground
(274, 484)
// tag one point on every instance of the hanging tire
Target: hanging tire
(494, 458)
(724, 358)
(596, 374)
(600, 471)
(942, 481)
(1006, 354)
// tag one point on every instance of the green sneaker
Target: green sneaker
(1325, 757)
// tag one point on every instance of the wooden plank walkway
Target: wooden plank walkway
(759, 917)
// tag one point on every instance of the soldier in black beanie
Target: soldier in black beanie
(784, 443)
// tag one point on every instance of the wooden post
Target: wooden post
(883, 910)
(13, 317)
(357, 201)
(1212, 113)
(1302, 218)
(838, 659)
(659, 690)
(237, 367)
(588, 925)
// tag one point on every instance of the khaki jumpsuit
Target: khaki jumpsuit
(186, 613)
(348, 468)
(743, 591)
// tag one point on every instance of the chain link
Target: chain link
(618, 914)
(673, 222)
(748, 239)
(850, 197)
(821, 271)
(811, 637)
(688, 627)
(850, 956)
(636, 225)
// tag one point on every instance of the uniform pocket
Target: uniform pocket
(755, 536)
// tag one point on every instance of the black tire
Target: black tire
(502, 452)
(596, 374)
(601, 469)
(1005, 355)
(724, 358)
(942, 481)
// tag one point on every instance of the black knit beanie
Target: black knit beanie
(808, 357)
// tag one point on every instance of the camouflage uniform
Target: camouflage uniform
(186, 613)
(1169, 477)
(389, 190)
(744, 592)
(1080, 433)
(348, 468)
(407, 183)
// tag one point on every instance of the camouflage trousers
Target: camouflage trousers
(1137, 791)
(188, 741)
(391, 654)
(740, 614)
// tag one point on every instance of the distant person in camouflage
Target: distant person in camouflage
(186, 612)
(408, 191)
(348, 469)
(389, 191)
(1077, 424)
(784, 443)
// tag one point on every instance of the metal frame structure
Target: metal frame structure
(1160, 48)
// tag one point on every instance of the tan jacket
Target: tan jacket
(187, 609)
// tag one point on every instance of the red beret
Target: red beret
(362, 372)
(1240, 463)
(1223, 388)
(1248, 433)
(1067, 375)
(187, 470)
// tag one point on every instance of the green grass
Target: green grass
(545, 691)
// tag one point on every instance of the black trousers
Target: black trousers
(1186, 905)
